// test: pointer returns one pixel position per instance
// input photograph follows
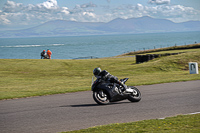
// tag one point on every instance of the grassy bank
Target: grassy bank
(178, 124)
(173, 49)
(29, 77)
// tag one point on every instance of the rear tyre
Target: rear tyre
(100, 97)
(135, 96)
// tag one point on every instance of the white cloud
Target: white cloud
(19, 14)
(49, 4)
(11, 6)
(88, 5)
(159, 2)
(89, 14)
(65, 10)
(176, 13)
(139, 7)
(4, 20)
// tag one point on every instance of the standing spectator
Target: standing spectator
(43, 54)
(49, 53)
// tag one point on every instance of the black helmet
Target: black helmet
(96, 71)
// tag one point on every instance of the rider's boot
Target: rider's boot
(123, 88)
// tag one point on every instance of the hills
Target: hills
(116, 26)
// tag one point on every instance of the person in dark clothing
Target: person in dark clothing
(43, 54)
(104, 75)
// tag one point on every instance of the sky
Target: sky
(28, 13)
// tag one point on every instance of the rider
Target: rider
(104, 75)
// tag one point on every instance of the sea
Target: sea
(94, 46)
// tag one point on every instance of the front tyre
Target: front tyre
(135, 96)
(101, 97)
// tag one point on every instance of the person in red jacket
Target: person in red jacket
(49, 53)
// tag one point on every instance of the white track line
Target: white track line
(182, 114)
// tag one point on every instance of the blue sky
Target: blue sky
(28, 13)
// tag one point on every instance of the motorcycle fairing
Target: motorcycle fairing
(111, 89)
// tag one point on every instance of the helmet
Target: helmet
(97, 71)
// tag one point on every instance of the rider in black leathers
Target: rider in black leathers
(104, 75)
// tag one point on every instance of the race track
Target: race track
(73, 111)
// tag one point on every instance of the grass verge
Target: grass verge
(178, 124)
(28, 77)
(173, 49)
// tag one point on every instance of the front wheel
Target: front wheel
(101, 97)
(135, 96)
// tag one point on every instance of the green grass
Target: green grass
(178, 124)
(29, 77)
(173, 49)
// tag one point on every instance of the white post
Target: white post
(193, 68)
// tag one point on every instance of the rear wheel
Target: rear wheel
(135, 96)
(101, 97)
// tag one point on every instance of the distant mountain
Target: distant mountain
(116, 26)
(149, 25)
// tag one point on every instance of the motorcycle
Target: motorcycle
(105, 92)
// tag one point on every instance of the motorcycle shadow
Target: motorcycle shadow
(94, 105)
(81, 105)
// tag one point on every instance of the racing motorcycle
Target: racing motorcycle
(105, 92)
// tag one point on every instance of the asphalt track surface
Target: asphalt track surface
(74, 111)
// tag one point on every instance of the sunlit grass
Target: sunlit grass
(29, 77)
(178, 124)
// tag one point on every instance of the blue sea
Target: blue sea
(98, 46)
